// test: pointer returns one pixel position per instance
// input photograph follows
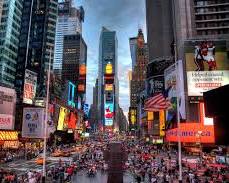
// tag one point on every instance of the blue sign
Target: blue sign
(71, 94)
(86, 109)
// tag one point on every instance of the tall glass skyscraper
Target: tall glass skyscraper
(10, 21)
(39, 38)
(108, 55)
(69, 22)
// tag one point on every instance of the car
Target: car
(39, 161)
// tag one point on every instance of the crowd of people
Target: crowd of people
(158, 164)
(146, 163)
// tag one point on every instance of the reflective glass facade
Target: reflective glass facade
(10, 14)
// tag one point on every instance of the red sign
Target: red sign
(192, 133)
(72, 121)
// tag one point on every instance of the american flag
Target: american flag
(157, 102)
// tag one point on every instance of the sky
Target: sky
(122, 16)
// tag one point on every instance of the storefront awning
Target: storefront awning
(8, 135)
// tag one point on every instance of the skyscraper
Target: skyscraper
(10, 23)
(108, 77)
(159, 28)
(133, 50)
(37, 33)
(69, 22)
(74, 53)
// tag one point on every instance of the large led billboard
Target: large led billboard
(30, 85)
(109, 114)
(207, 66)
(61, 121)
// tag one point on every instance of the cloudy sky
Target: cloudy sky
(122, 16)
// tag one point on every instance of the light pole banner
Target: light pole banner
(30, 85)
(7, 108)
(33, 122)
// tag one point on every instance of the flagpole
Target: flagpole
(46, 119)
(177, 90)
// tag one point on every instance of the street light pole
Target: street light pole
(46, 119)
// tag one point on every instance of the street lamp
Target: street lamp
(46, 119)
(199, 134)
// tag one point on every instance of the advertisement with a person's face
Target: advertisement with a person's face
(171, 86)
(7, 108)
(207, 66)
(109, 114)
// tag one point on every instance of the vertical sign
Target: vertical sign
(30, 85)
(33, 123)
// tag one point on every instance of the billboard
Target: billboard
(171, 87)
(86, 109)
(108, 87)
(33, 122)
(7, 108)
(155, 85)
(189, 133)
(71, 94)
(207, 66)
(133, 116)
(61, 121)
(72, 120)
(109, 114)
(30, 85)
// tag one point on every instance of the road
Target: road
(22, 166)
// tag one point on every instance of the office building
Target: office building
(74, 54)
(69, 22)
(108, 90)
(10, 23)
(133, 50)
(36, 43)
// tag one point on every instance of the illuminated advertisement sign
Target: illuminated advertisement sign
(109, 68)
(109, 114)
(72, 121)
(61, 121)
(7, 108)
(82, 70)
(71, 94)
(162, 123)
(81, 88)
(33, 122)
(171, 87)
(30, 85)
(192, 133)
(133, 116)
(207, 66)
(108, 87)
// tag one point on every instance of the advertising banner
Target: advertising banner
(86, 109)
(108, 87)
(155, 85)
(109, 114)
(171, 87)
(61, 120)
(30, 85)
(192, 133)
(72, 121)
(162, 123)
(207, 66)
(71, 94)
(33, 122)
(133, 116)
(7, 108)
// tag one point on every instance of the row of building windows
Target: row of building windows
(209, 2)
(212, 9)
(212, 24)
(212, 17)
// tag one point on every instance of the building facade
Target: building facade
(69, 22)
(74, 64)
(36, 43)
(133, 50)
(108, 90)
(10, 23)
(192, 25)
